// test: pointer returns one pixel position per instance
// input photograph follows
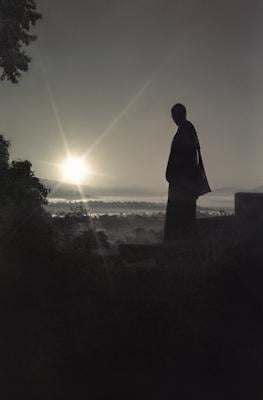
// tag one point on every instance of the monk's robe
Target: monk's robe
(187, 181)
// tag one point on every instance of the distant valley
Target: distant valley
(221, 198)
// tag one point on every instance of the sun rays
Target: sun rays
(75, 168)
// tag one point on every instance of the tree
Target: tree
(4, 165)
(17, 17)
(24, 185)
(18, 181)
(23, 220)
(4, 153)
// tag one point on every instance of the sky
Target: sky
(105, 74)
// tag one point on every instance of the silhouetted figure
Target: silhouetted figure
(186, 176)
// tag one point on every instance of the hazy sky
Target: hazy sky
(119, 65)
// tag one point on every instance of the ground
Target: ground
(185, 321)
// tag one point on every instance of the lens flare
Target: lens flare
(74, 170)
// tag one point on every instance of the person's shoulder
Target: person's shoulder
(189, 126)
(190, 135)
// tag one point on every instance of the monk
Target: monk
(186, 176)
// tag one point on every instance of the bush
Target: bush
(24, 225)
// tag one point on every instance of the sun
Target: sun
(74, 170)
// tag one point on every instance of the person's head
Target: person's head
(178, 112)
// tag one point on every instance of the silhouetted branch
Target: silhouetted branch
(17, 17)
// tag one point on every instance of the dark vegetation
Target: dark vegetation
(158, 322)
(17, 17)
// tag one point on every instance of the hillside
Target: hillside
(186, 321)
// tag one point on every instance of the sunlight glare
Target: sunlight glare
(74, 170)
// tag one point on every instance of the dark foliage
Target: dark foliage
(191, 327)
(16, 20)
(24, 225)
(4, 153)
(4, 158)
(28, 187)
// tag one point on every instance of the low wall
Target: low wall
(249, 206)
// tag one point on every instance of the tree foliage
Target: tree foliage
(27, 185)
(4, 166)
(18, 182)
(17, 17)
(23, 220)
(4, 153)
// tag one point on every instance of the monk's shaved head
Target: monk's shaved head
(178, 112)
